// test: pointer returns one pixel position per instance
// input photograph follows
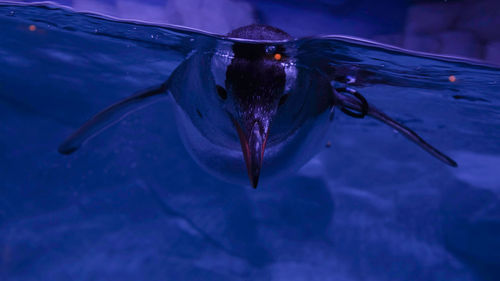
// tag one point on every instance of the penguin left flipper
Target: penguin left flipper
(354, 104)
(112, 115)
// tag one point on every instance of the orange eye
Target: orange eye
(277, 56)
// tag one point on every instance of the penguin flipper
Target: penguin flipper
(356, 102)
(110, 116)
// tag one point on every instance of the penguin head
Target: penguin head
(254, 86)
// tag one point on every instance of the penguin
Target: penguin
(249, 107)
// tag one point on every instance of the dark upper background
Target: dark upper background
(467, 28)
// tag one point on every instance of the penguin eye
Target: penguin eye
(274, 52)
(221, 92)
(282, 100)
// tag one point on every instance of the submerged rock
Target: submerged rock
(460, 43)
(431, 18)
(423, 43)
(492, 52)
(482, 18)
(463, 28)
(390, 39)
(217, 16)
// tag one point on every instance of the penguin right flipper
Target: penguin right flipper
(355, 105)
(110, 116)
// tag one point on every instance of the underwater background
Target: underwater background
(133, 205)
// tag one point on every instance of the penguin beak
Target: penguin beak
(253, 143)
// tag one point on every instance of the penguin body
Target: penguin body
(297, 115)
(249, 107)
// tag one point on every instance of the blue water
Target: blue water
(132, 204)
